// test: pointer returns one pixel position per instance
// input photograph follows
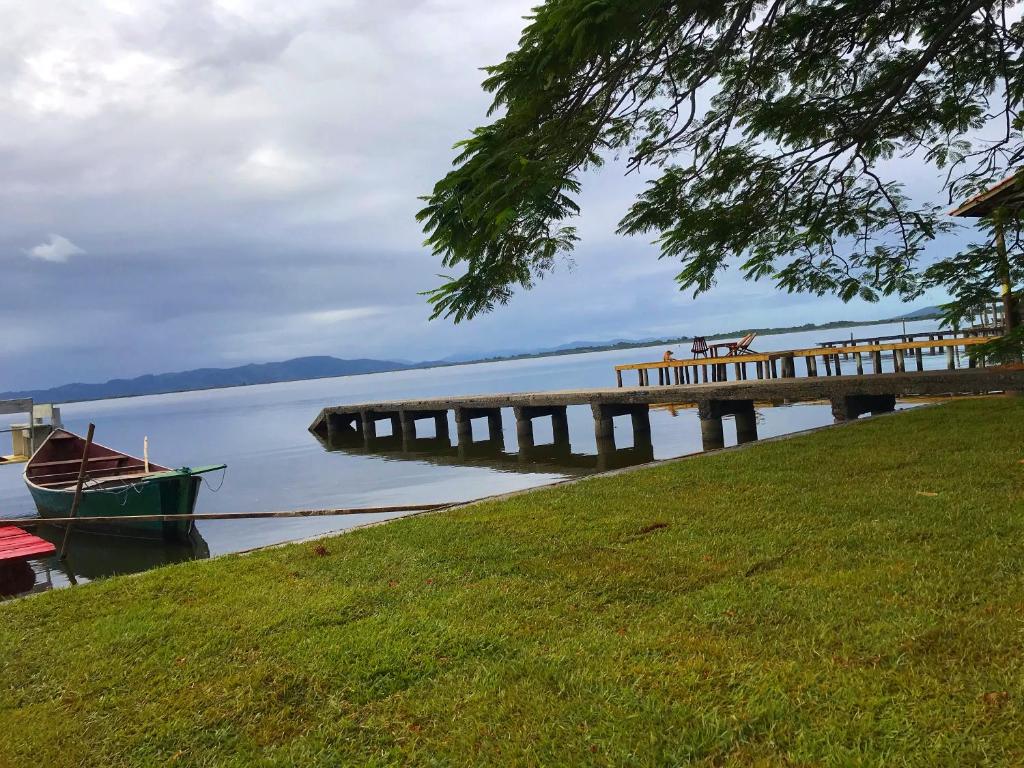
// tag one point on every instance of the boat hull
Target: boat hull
(175, 495)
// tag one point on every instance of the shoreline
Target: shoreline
(432, 365)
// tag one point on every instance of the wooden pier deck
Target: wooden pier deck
(850, 397)
(783, 363)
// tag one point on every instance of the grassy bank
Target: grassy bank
(855, 596)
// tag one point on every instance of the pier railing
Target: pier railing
(783, 364)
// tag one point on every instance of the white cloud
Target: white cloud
(56, 248)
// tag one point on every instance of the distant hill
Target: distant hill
(922, 314)
(210, 378)
(323, 367)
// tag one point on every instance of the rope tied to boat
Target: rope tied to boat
(223, 476)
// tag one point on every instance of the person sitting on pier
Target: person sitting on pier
(667, 357)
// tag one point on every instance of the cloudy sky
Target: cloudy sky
(214, 182)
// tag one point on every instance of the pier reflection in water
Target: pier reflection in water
(94, 556)
(439, 449)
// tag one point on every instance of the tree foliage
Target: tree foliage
(767, 128)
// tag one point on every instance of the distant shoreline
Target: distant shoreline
(42, 396)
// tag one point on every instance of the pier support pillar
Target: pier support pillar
(746, 422)
(407, 426)
(464, 425)
(368, 426)
(463, 428)
(441, 431)
(849, 407)
(343, 427)
(559, 426)
(712, 434)
(641, 418)
(407, 419)
(712, 430)
(494, 429)
(524, 429)
(604, 427)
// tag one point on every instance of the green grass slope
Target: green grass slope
(851, 597)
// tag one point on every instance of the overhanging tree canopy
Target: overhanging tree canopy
(768, 127)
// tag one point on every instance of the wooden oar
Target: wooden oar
(229, 515)
(78, 492)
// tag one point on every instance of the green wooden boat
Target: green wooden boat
(117, 485)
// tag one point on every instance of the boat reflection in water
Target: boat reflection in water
(94, 556)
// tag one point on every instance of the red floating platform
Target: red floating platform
(16, 545)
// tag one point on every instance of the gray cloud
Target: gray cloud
(244, 177)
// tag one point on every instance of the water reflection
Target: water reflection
(95, 556)
(556, 457)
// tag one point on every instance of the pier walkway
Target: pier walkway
(850, 397)
(783, 363)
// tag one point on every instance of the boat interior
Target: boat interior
(58, 460)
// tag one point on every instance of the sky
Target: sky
(193, 183)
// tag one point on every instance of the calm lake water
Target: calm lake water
(274, 463)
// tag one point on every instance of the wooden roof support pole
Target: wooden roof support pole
(1010, 319)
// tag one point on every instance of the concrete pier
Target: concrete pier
(850, 396)
(712, 429)
(464, 416)
(849, 407)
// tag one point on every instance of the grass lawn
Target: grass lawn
(851, 597)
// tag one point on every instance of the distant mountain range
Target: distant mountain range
(323, 367)
(211, 378)
(922, 314)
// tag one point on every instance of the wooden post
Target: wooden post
(772, 368)
(919, 359)
(950, 360)
(77, 500)
(876, 361)
(827, 360)
(860, 364)
(1010, 319)
(839, 370)
(618, 378)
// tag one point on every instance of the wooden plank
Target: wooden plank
(236, 515)
(768, 356)
(16, 544)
